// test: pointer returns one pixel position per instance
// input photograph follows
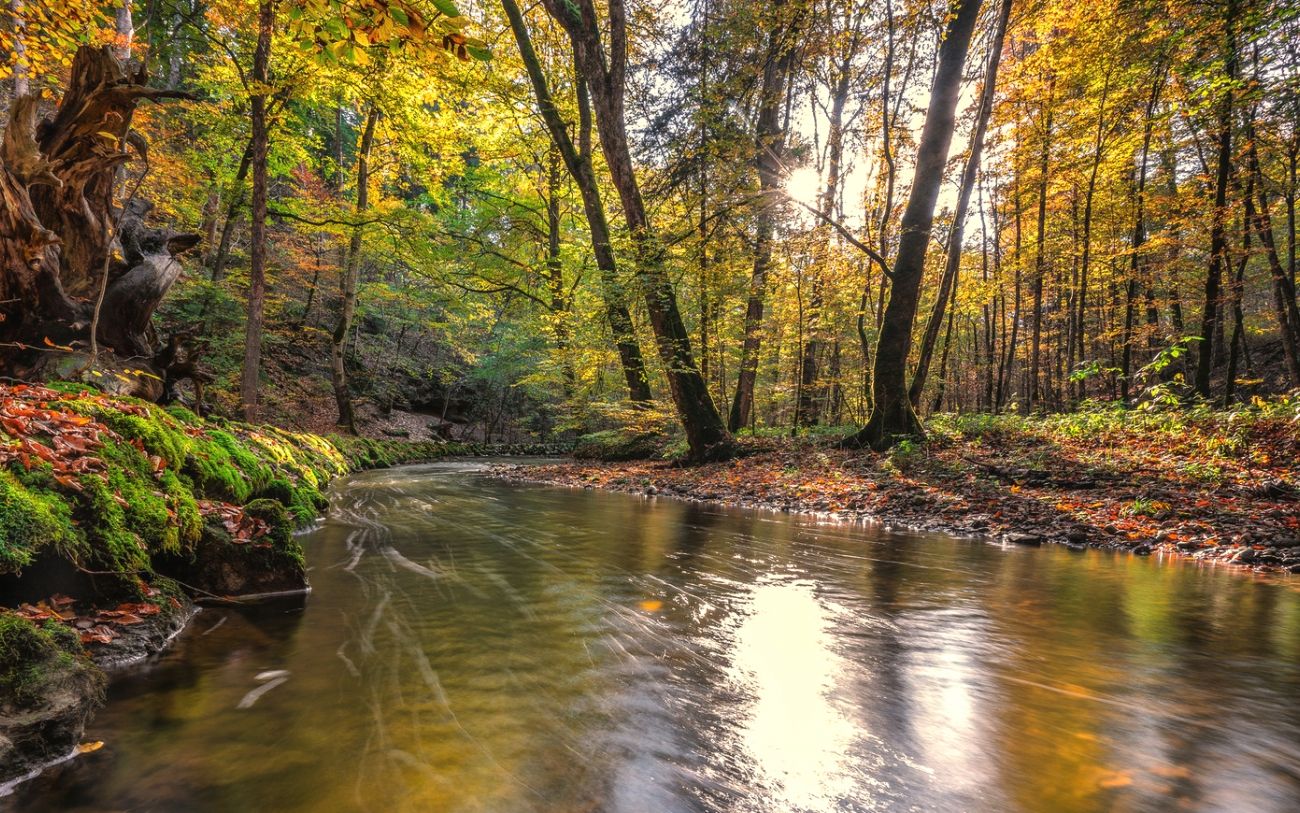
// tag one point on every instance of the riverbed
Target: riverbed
(472, 645)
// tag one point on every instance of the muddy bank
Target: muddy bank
(984, 493)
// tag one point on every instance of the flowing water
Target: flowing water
(476, 646)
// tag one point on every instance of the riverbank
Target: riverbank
(1210, 485)
(116, 515)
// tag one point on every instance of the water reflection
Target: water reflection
(476, 647)
(785, 665)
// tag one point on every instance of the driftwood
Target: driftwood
(61, 233)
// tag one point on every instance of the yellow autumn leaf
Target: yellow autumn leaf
(651, 605)
(88, 747)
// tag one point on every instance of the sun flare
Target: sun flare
(803, 185)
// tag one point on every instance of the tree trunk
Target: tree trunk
(769, 145)
(22, 83)
(1139, 233)
(1284, 293)
(347, 419)
(948, 282)
(578, 162)
(59, 228)
(605, 77)
(1218, 232)
(892, 413)
(222, 251)
(808, 409)
(252, 370)
(1035, 393)
(555, 273)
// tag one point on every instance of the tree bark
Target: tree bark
(952, 264)
(1139, 234)
(769, 145)
(251, 375)
(57, 240)
(1218, 230)
(1035, 393)
(892, 413)
(606, 78)
(347, 420)
(578, 162)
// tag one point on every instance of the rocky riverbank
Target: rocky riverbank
(116, 514)
(1190, 489)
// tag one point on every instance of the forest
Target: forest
(775, 218)
(837, 290)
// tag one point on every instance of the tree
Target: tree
(260, 143)
(605, 73)
(769, 141)
(578, 163)
(61, 223)
(892, 413)
(968, 178)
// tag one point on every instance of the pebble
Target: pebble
(1022, 539)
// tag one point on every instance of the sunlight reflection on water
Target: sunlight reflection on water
(471, 646)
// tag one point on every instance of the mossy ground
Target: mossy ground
(38, 659)
(137, 485)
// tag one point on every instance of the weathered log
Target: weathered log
(58, 240)
(29, 278)
(132, 297)
(84, 142)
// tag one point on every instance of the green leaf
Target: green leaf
(399, 15)
(481, 54)
(446, 7)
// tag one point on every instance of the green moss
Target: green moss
(35, 660)
(32, 517)
(137, 508)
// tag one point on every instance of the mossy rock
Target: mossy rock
(222, 567)
(48, 690)
(33, 517)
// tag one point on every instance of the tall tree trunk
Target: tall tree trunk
(1284, 292)
(769, 143)
(1007, 362)
(605, 74)
(892, 413)
(125, 31)
(555, 273)
(221, 252)
(808, 408)
(1238, 290)
(1035, 393)
(952, 264)
(1139, 232)
(252, 371)
(347, 419)
(578, 161)
(1218, 230)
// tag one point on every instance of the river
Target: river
(476, 646)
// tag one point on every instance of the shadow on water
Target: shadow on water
(473, 646)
